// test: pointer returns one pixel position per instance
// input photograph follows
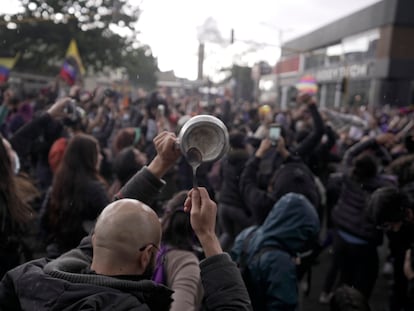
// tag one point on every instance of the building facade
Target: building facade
(366, 58)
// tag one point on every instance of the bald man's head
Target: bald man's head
(122, 229)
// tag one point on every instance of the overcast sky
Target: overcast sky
(172, 28)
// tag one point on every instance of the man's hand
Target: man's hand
(408, 270)
(281, 148)
(57, 110)
(167, 153)
(203, 213)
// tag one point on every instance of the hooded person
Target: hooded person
(269, 251)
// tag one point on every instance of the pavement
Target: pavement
(379, 298)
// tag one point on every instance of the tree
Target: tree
(41, 32)
(141, 65)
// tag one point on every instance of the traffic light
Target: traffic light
(232, 36)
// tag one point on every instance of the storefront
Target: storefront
(366, 58)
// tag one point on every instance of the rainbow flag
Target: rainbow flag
(72, 67)
(307, 85)
(6, 64)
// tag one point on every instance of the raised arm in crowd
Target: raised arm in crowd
(222, 282)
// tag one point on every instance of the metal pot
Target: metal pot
(207, 134)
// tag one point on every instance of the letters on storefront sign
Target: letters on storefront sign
(335, 74)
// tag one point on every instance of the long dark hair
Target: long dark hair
(78, 166)
(12, 206)
(176, 227)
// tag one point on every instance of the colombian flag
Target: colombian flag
(6, 64)
(72, 68)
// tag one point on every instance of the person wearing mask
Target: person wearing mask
(307, 140)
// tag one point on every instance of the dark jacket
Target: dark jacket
(321, 157)
(350, 213)
(223, 286)
(411, 291)
(62, 284)
(35, 139)
(290, 225)
(75, 224)
(272, 160)
(259, 201)
(11, 234)
(231, 168)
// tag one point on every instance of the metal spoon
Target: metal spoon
(194, 158)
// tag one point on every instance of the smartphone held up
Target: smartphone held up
(274, 133)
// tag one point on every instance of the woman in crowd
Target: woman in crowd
(15, 213)
(77, 197)
(177, 264)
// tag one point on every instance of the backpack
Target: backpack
(160, 275)
(304, 266)
(257, 296)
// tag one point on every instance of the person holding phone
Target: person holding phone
(257, 178)
(274, 133)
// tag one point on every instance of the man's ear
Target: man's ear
(144, 259)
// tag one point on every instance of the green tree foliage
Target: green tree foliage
(42, 30)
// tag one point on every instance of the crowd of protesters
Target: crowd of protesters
(348, 173)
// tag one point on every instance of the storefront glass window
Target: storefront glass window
(315, 59)
(353, 49)
(361, 47)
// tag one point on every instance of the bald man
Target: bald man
(126, 239)
(109, 270)
(125, 242)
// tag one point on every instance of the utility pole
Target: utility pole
(278, 99)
